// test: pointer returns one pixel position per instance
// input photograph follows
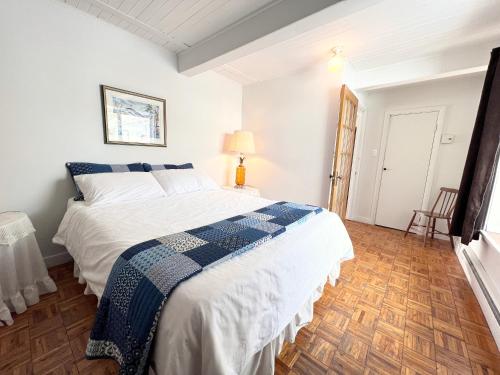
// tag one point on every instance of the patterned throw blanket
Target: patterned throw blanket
(145, 275)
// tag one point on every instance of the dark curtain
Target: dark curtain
(482, 159)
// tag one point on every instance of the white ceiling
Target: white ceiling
(387, 32)
(174, 24)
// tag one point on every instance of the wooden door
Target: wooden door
(344, 147)
(406, 167)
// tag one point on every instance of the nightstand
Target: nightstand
(246, 189)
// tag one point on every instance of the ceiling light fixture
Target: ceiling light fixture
(336, 60)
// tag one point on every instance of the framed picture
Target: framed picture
(133, 119)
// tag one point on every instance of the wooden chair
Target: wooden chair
(446, 202)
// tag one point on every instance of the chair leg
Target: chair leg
(433, 228)
(427, 230)
(449, 234)
(411, 223)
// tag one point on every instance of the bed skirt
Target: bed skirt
(263, 362)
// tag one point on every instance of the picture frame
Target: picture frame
(130, 118)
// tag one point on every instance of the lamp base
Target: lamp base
(240, 175)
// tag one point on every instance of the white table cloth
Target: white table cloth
(23, 274)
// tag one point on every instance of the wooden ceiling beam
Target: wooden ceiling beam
(278, 21)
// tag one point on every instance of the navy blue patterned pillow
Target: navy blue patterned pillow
(76, 169)
(149, 167)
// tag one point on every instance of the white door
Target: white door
(405, 168)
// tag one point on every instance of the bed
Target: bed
(234, 317)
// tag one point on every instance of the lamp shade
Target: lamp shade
(242, 142)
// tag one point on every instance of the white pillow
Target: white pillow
(178, 181)
(105, 188)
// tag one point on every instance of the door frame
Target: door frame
(357, 154)
(433, 158)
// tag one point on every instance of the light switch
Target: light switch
(374, 152)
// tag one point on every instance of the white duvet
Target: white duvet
(216, 321)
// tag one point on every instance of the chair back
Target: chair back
(445, 202)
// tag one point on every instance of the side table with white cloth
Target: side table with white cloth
(23, 274)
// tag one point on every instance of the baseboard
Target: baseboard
(484, 289)
(361, 219)
(56, 259)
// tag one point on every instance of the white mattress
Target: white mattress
(216, 321)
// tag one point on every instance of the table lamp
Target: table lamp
(242, 142)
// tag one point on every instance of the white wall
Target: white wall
(53, 59)
(493, 219)
(294, 119)
(460, 96)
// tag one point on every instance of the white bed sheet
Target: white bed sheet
(216, 321)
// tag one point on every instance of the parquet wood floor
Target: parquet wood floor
(397, 308)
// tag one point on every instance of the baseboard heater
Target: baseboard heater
(484, 289)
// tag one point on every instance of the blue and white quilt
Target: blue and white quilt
(144, 276)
